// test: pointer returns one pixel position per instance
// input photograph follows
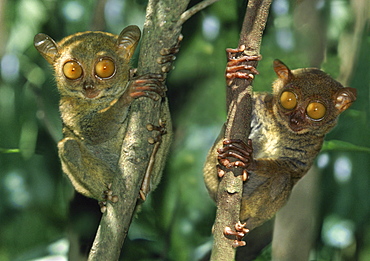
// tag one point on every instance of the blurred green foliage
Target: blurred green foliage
(175, 223)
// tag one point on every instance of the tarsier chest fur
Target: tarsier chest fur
(287, 131)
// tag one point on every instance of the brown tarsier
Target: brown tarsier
(92, 71)
(287, 132)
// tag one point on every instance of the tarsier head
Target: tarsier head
(309, 100)
(90, 64)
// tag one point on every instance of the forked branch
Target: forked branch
(161, 32)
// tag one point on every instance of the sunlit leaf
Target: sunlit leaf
(338, 145)
(2, 150)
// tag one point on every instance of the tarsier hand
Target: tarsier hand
(235, 153)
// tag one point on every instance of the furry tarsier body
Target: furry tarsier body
(92, 71)
(287, 132)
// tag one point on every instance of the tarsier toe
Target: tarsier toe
(239, 226)
(142, 195)
(114, 199)
(238, 243)
(103, 206)
(245, 175)
(239, 233)
(220, 172)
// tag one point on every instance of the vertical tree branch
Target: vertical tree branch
(3, 29)
(98, 19)
(161, 31)
(239, 102)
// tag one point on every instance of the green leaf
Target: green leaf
(338, 145)
(2, 150)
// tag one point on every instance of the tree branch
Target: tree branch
(98, 20)
(196, 8)
(161, 31)
(239, 102)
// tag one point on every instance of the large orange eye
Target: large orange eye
(288, 100)
(105, 68)
(72, 70)
(316, 110)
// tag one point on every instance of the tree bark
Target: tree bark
(239, 103)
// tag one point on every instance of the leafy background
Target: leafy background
(39, 213)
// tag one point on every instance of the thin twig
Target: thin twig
(192, 11)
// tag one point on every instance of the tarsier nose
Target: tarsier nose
(296, 120)
(89, 90)
(88, 85)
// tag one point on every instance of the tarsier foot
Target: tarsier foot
(168, 55)
(235, 67)
(239, 233)
(148, 85)
(145, 186)
(235, 149)
(161, 128)
(108, 196)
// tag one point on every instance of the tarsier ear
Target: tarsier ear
(128, 40)
(46, 46)
(282, 71)
(344, 98)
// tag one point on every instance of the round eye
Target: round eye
(72, 70)
(288, 100)
(316, 110)
(105, 68)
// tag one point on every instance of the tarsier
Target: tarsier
(96, 86)
(287, 132)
